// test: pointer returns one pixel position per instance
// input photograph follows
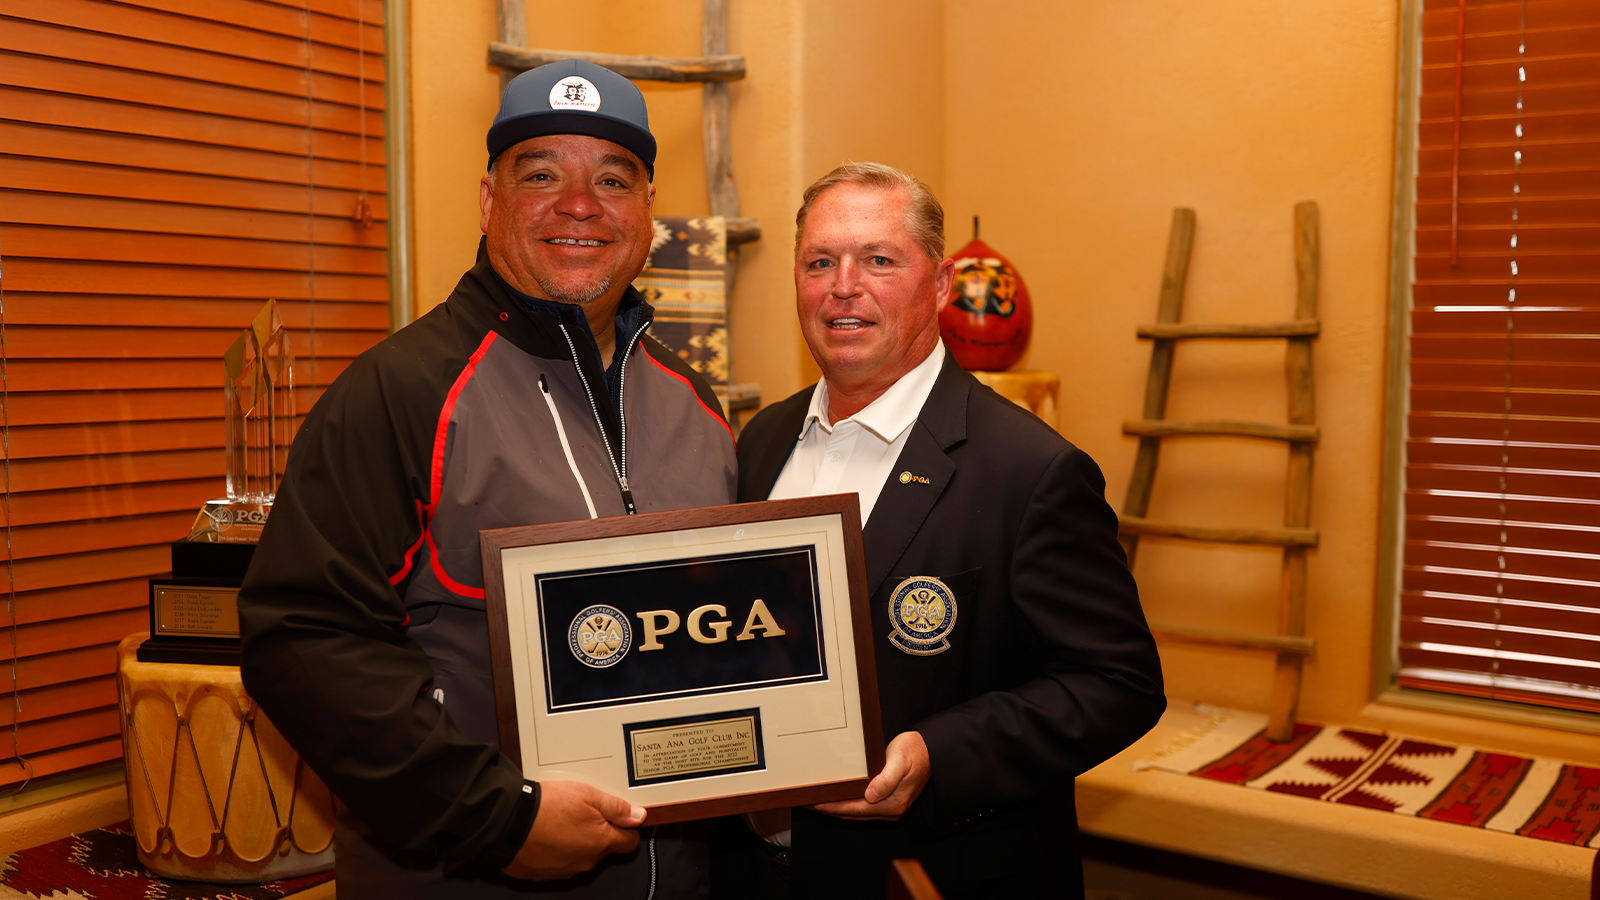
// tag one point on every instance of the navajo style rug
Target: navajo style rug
(104, 865)
(1537, 798)
(684, 280)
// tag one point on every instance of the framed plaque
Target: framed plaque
(698, 663)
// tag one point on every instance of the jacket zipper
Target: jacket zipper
(652, 894)
(561, 432)
(619, 470)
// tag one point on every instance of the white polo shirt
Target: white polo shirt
(857, 453)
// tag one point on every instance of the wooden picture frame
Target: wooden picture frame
(698, 662)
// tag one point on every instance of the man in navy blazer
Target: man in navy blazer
(1012, 651)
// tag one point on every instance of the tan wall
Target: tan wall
(453, 100)
(1101, 119)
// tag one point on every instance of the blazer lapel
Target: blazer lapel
(759, 471)
(903, 507)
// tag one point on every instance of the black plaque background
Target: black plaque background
(786, 579)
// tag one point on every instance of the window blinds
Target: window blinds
(1501, 583)
(166, 167)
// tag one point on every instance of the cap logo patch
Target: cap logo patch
(575, 92)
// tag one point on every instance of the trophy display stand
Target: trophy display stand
(214, 792)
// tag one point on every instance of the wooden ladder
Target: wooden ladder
(715, 69)
(1301, 434)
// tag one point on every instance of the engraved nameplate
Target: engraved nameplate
(694, 746)
(196, 611)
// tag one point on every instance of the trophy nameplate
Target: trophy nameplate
(194, 610)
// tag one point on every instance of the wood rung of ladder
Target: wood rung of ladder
(743, 229)
(1180, 331)
(1239, 640)
(1276, 537)
(1300, 432)
(1265, 430)
(680, 69)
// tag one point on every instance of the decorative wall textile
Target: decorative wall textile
(104, 865)
(684, 280)
(1538, 798)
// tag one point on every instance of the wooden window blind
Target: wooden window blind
(166, 167)
(1501, 581)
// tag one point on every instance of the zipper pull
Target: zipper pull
(627, 495)
(543, 385)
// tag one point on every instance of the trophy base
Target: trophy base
(194, 611)
(211, 559)
(191, 651)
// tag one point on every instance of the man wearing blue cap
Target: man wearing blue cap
(532, 394)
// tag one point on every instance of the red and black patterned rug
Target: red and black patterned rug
(104, 865)
(1537, 798)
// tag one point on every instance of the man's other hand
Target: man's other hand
(576, 827)
(888, 796)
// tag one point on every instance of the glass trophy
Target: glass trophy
(194, 615)
(259, 401)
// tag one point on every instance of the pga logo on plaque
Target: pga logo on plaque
(600, 636)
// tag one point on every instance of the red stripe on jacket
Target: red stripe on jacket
(442, 432)
(422, 521)
(436, 471)
(692, 392)
(438, 572)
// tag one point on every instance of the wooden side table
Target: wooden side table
(1032, 390)
(214, 792)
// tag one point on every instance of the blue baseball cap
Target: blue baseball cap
(573, 96)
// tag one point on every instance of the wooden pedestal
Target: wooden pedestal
(1032, 390)
(215, 793)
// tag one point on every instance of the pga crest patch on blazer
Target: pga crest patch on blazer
(922, 610)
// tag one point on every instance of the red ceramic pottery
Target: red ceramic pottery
(990, 317)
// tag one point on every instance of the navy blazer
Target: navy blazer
(1051, 668)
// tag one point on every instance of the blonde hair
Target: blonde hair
(924, 215)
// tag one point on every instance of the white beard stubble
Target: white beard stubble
(562, 295)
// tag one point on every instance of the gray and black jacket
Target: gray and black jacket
(365, 640)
